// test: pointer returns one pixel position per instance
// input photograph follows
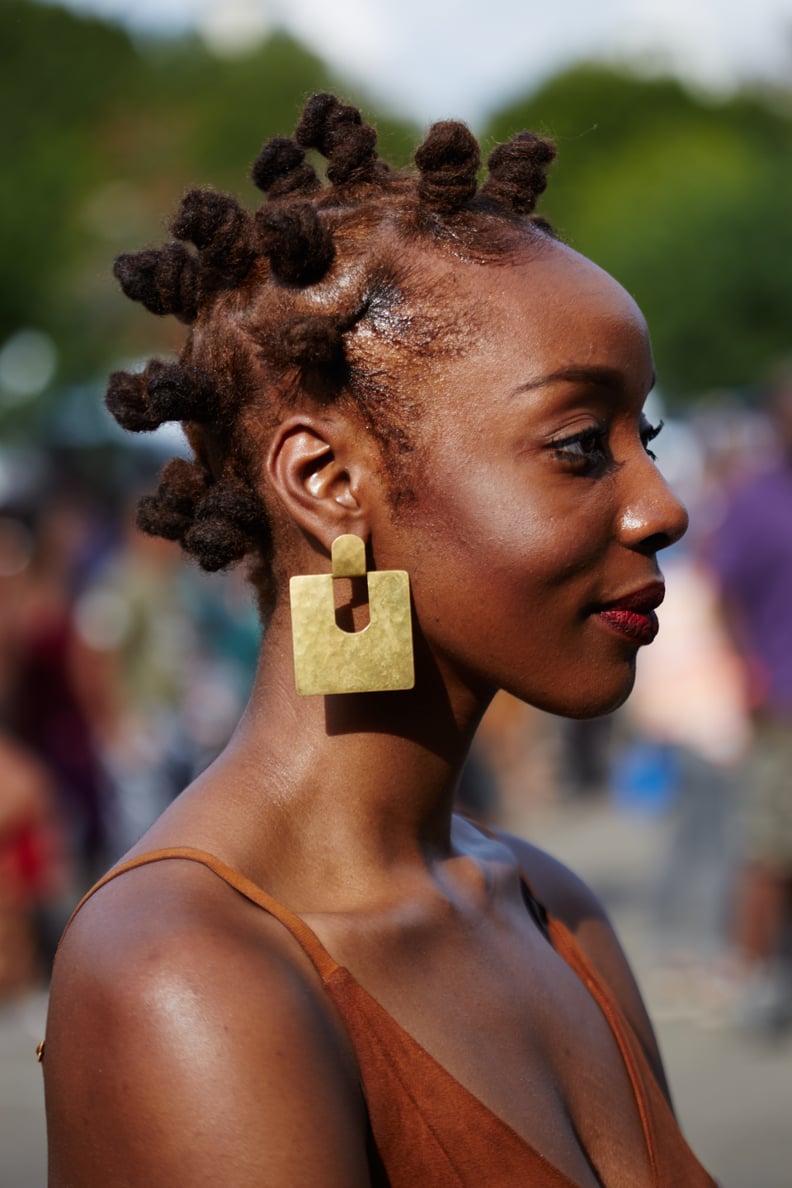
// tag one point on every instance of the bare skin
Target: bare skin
(189, 1038)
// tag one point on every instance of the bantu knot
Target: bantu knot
(299, 247)
(281, 168)
(338, 132)
(170, 512)
(127, 399)
(164, 280)
(220, 229)
(181, 393)
(226, 522)
(518, 172)
(312, 342)
(448, 161)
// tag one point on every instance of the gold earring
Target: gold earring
(329, 660)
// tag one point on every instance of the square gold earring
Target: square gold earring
(329, 660)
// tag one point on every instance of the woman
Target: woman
(312, 972)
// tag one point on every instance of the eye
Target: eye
(649, 433)
(586, 451)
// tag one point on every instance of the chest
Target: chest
(496, 1023)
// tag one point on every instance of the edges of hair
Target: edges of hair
(162, 392)
(518, 172)
(126, 399)
(228, 524)
(220, 229)
(280, 169)
(448, 162)
(164, 280)
(178, 392)
(170, 511)
(216, 523)
(339, 133)
(298, 245)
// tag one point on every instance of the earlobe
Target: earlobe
(317, 475)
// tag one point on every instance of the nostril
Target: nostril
(654, 522)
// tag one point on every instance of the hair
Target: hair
(312, 295)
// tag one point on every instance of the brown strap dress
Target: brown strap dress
(428, 1129)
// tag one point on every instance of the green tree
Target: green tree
(687, 202)
(106, 133)
(58, 73)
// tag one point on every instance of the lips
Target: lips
(632, 615)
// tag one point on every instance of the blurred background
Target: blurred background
(123, 669)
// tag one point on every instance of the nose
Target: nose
(652, 517)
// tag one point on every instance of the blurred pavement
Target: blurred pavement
(23, 1159)
(733, 1092)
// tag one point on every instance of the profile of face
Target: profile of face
(532, 536)
(426, 337)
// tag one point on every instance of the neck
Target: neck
(373, 773)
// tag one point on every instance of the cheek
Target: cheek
(536, 533)
(482, 548)
(502, 586)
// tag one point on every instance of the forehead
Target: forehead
(548, 308)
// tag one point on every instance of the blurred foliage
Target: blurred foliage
(105, 134)
(687, 202)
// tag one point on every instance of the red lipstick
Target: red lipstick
(633, 615)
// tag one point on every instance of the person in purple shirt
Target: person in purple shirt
(752, 561)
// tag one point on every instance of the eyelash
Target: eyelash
(649, 433)
(585, 449)
(589, 447)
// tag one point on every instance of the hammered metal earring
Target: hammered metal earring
(330, 660)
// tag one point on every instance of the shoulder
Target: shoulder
(189, 1041)
(568, 899)
(563, 893)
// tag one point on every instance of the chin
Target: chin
(593, 700)
(599, 704)
(594, 709)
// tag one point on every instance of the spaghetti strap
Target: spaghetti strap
(454, 1137)
(567, 947)
(325, 965)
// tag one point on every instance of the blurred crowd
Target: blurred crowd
(123, 670)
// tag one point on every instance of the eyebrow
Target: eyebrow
(606, 377)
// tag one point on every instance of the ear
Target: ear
(319, 465)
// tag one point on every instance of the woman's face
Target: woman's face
(538, 512)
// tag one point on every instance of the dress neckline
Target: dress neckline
(332, 972)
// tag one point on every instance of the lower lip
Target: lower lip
(632, 625)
